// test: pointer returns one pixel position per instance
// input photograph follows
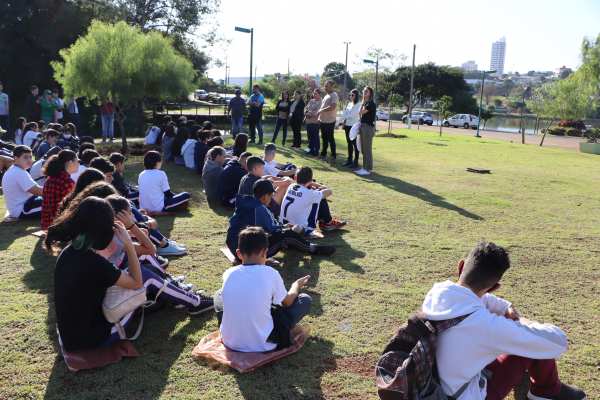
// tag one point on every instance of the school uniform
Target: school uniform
(153, 183)
(187, 151)
(19, 202)
(228, 182)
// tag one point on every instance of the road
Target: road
(561, 142)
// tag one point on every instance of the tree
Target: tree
(530, 73)
(463, 103)
(124, 64)
(590, 57)
(485, 115)
(266, 88)
(489, 91)
(388, 62)
(507, 87)
(565, 74)
(517, 73)
(334, 71)
(302, 83)
(504, 76)
(497, 103)
(445, 102)
(189, 49)
(542, 79)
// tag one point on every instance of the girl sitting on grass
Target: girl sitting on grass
(155, 193)
(58, 169)
(86, 178)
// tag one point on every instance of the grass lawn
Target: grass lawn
(408, 226)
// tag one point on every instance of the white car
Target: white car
(382, 115)
(200, 95)
(420, 117)
(465, 120)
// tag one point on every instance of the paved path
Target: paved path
(561, 142)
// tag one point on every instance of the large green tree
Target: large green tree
(123, 63)
(463, 103)
(334, 71)
(366, 74)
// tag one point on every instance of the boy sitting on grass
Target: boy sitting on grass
(50, 142)
(306, 203)
(23, 197)
(228, 181)
(272, 167)
(493, 336)
(104, 166)
(214, 166)
(126, 190)
(254, 311)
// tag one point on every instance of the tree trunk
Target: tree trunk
(548, 127)
(120, 116)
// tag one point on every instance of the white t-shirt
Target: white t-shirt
(18, 138)
(36, 172)
(60, 103)
(15, 185)
(248, 292)
(300, 205)
(28, 138)
(152, 185)
(79, 171)
(271, 168)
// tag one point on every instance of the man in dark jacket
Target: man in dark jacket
(228, 181)
(296, 118)
(200, 150)
(253, 211)
(33, 105)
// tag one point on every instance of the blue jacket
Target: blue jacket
(200, 151)
(249, 211)
(43, 149)
(228, 181)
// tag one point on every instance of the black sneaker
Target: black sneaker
(206, 303)
(567, 392)
(325, 250)
(162, 261)
(252, 141)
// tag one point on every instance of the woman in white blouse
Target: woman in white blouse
(349, 118)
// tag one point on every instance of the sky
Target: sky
(540, 35)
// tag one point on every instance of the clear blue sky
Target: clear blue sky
(540, 35)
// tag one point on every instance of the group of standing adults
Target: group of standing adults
(319, 114)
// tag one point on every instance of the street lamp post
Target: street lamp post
(251, 32)
(345, 76)
(521, 122)
(481, 99)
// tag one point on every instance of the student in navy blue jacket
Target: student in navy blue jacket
(228, 181)
(253, 211)
(200, 150)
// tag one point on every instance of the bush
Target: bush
(491, 108)
(593, 135)
(570, 123)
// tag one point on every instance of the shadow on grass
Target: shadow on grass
(12, 231)
(218, 209)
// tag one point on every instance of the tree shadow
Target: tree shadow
(218, 209)
(12, 231)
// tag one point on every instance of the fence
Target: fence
(189, 109)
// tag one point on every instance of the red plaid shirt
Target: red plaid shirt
(55, 189)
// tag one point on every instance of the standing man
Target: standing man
(256, 102)
(48, 106)
(4, 111)
(108, 121)
(74, 111)
(327, 117)
(58, 115)
(33, 105)
(238, 105)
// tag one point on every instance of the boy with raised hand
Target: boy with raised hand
(306, 203)
(253, 211)
(126, 190)
(23, 197)
(272, 167)
(228, 181)
(254, 311)
(493, 336)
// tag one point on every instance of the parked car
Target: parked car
(420, 117)
(382, 115)
(200, 95)
(465, 120)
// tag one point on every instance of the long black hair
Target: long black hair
(183, 134)
(118, 203)
(19, 124)
(240, 145)
(89, 225)
(356, 95)
(88, 177)
(194, 131)
(55, 165)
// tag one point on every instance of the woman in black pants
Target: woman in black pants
(296, 117)
(283, 110)
(348, 119)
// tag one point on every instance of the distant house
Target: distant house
(560, 70)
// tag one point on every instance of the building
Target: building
(560, 70)
(469, 66)
(498, 56)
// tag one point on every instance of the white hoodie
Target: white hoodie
(467, 348)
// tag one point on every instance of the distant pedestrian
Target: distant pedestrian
(237, 106)
(283, 110)
(108, 121)
(74, 111)
(19, 128)
(58, 114)
(312, 122)
(347, 120)
(367, 130)
(327, 116)
(4, 111)
(33, 104)
(296, 116)
(48, 106)
(256, 102)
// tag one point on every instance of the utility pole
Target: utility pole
(343, 102)
(410, 96)
(288, 67)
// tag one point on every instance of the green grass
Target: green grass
(408, 226)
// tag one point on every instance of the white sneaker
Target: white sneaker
(362, 171)
(307, 150)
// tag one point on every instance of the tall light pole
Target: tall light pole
(410, 95)
(251, 32)
(521, 122)
(376, 74)
(481, 98)
(345, 76)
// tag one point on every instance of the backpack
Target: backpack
(407, 368)
(35, 145)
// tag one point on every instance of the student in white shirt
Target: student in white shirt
(36, 169)
(347, 120)
(272, 166)
(305, 203)
(253, 309)
(155, 193)
(23, 197)
(493, 336)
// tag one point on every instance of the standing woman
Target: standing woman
(48, 107)
(348, 119)
(309, 97)
(312, 124)
(296, 116)
(58, 169)
(19, 127)
(367, 130)
(283, 109)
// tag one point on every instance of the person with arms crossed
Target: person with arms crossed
(237, 106)
(256, 102)
(327, 116)
(58, 114)
(312, 122)
(296, 116)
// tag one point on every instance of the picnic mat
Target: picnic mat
(211, 346)
(93, 358)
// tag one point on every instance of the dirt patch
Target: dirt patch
(134, 149)
(391, 135)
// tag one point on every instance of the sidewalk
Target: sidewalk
(561, 142)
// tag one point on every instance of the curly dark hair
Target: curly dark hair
(485, 266)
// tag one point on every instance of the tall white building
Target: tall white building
(498, 55)
(469, 66)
